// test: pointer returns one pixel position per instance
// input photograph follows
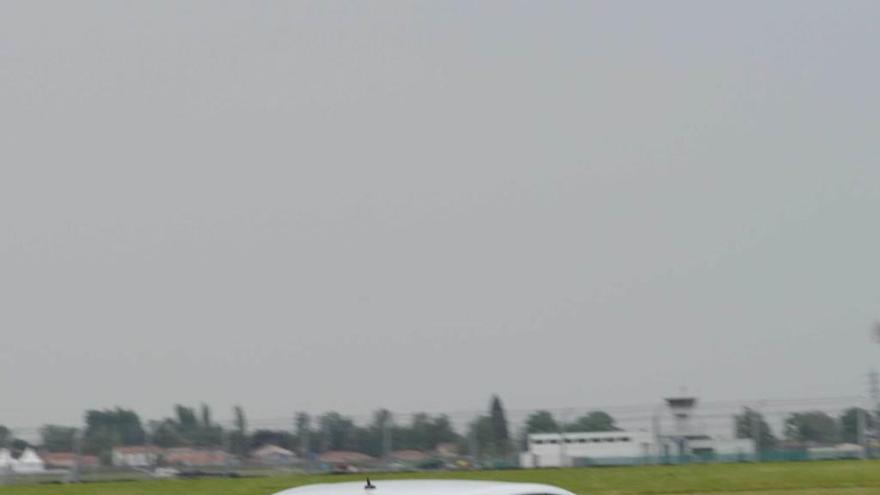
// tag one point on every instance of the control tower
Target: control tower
(683, 430)
(682, 409)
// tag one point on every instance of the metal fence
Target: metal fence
(666, 432)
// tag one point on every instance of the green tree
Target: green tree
(365, 440)
(751, 424)
(849, 424)
(379, 436)
(187, 429)
(238, 438)
(56, 438)
(425, 432)
(240, 420)
(811, 426)
(593, 421)
(442, 431)
(420, 432)
(186, 419)
(165, 433)
(304, 434)
(337, 431)
(481, 436)
(5, 437)
(207, 434)
(206, 416)
(500, 435)
(541, 422)
(111, 427)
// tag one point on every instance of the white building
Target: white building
(839, 451)
(27, 463)
(6, 461)
(587, 448)
(721, 449)
(136, 456)
(273, 455)
(688, 440)
(684, 441)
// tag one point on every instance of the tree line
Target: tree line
(487, 435)
(807, 427)
(195, 427)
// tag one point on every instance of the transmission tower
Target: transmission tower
(874, 388)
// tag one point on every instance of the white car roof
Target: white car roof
(427, 487)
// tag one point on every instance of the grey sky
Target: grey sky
(313, 205)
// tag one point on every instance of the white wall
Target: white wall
(730, 446)
(555, 450)
(29, 462)
(139, 459)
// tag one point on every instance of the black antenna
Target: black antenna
(369, 486)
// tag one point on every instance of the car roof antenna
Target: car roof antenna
(369, 486)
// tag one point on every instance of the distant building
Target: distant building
(586, 448)
(273, 455)
(339, 457)
(67, 460)
(136, 456)
(410, 456)
(190, 457)
(29, 462)
(685, 440)
(839, 451)
(447, 449)
(6, 461)
(689, 440)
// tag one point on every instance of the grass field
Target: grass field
(810, 478)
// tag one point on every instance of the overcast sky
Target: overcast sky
(346, 205)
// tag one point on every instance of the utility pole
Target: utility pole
(10, 472)
(4, 467)
(754, 427)
(659, 450)
(76, 472)
(874, 408)
(563, 448)
(152, 456)
(227, 458)
(474, 447)
(386, 440)
(860, 431)
(874, 388)
(307, 448)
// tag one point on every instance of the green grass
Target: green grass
(810, 478)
